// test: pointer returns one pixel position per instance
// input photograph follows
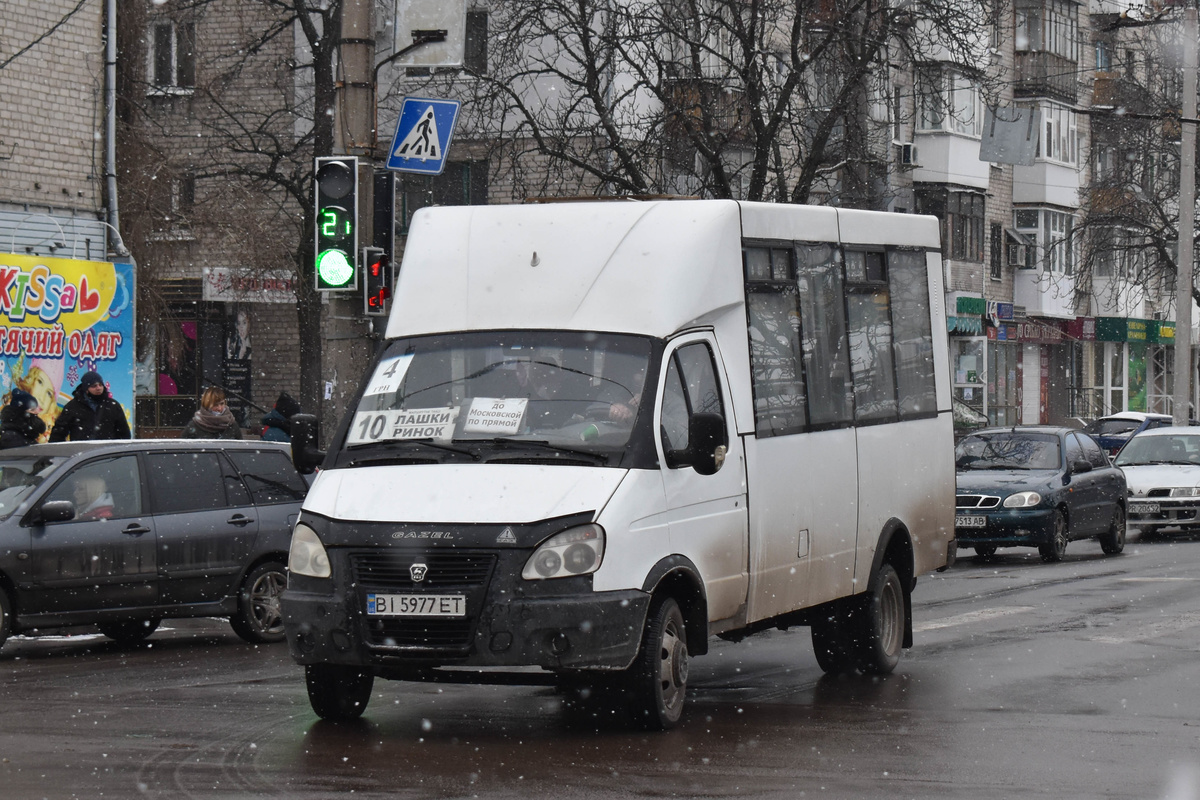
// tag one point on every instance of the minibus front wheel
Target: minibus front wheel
(338, 692)
(658, 678)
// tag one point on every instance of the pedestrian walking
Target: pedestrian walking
(91, 414)
(20, 424)
(213, 419)
(277, 424)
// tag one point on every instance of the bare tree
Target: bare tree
(759, 99)
(1129, 230)
(228, 158)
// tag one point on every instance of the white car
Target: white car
(1162, 472)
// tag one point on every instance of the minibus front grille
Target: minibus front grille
(383, 570)
(976, 501)
(423, 632)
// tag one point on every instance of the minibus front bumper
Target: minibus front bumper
(502, 628)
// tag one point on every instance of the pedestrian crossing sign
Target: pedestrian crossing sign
(423, 135)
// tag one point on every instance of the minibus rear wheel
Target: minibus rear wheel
(338, 692)
(658, 678)
(881, 633)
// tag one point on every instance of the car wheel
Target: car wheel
(1113, 540)
(985, 550)
(134, 630)
(258, 619)
(6, 620)
(831, 642)
(338, 692)
(880, 630)
(657, 680)
(1057, 547)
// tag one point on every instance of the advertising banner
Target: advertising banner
(59, 318)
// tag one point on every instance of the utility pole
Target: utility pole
(348, 344)
(1181, 405)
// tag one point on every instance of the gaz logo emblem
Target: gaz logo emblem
(417, 572)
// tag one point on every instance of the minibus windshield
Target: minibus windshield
(572, 390)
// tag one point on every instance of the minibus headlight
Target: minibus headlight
(1022, 500)
(575, 551)
(307, 555)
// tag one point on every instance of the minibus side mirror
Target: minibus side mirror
(707, 443)
(305, 439)
(53, 511)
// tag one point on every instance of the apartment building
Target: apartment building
(67, 291)
(207, 99)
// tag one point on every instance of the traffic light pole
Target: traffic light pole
(349, 338)
(349, 332)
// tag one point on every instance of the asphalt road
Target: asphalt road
(1070, 680)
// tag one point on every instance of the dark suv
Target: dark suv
(123, 534)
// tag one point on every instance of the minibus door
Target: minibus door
(706, 513)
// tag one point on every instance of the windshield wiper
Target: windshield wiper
(545, 445)
(426, 442)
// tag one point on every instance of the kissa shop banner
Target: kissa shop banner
(59, 318)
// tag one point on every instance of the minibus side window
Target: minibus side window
(823, 335)
(868, 305)
(912, 332)
(674, 412)
(691, 388)
(773, 308)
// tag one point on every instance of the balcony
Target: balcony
(687, 100)
(1046, 75)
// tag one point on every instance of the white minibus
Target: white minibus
(597, 434)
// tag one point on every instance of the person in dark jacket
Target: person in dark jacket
(20, 424)
(277, 426)
(213, 420)
(91, 414)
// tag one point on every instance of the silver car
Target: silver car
(1162, 472)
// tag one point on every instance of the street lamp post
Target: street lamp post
(1181, 406)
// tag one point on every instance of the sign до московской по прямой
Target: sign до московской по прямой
(60, 318)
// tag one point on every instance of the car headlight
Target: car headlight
(307, 555)
(575, 551)
(1186, 491)
(1022, 500)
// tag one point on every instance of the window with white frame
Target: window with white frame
(1060, 257)
(171, 55)
(1053, 231)
(948, 100)
(1060, 134)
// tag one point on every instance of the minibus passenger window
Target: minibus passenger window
(912, 332)
(823, 330)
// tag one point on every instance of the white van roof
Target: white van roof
(647, 267)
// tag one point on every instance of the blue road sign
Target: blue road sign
(423, 135)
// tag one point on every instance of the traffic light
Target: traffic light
(377, 280)
(336, 195)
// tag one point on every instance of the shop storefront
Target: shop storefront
(64, 317)
(968, 351)
(1133, 365)
(214, 335)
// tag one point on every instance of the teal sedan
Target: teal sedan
(1036, 486)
